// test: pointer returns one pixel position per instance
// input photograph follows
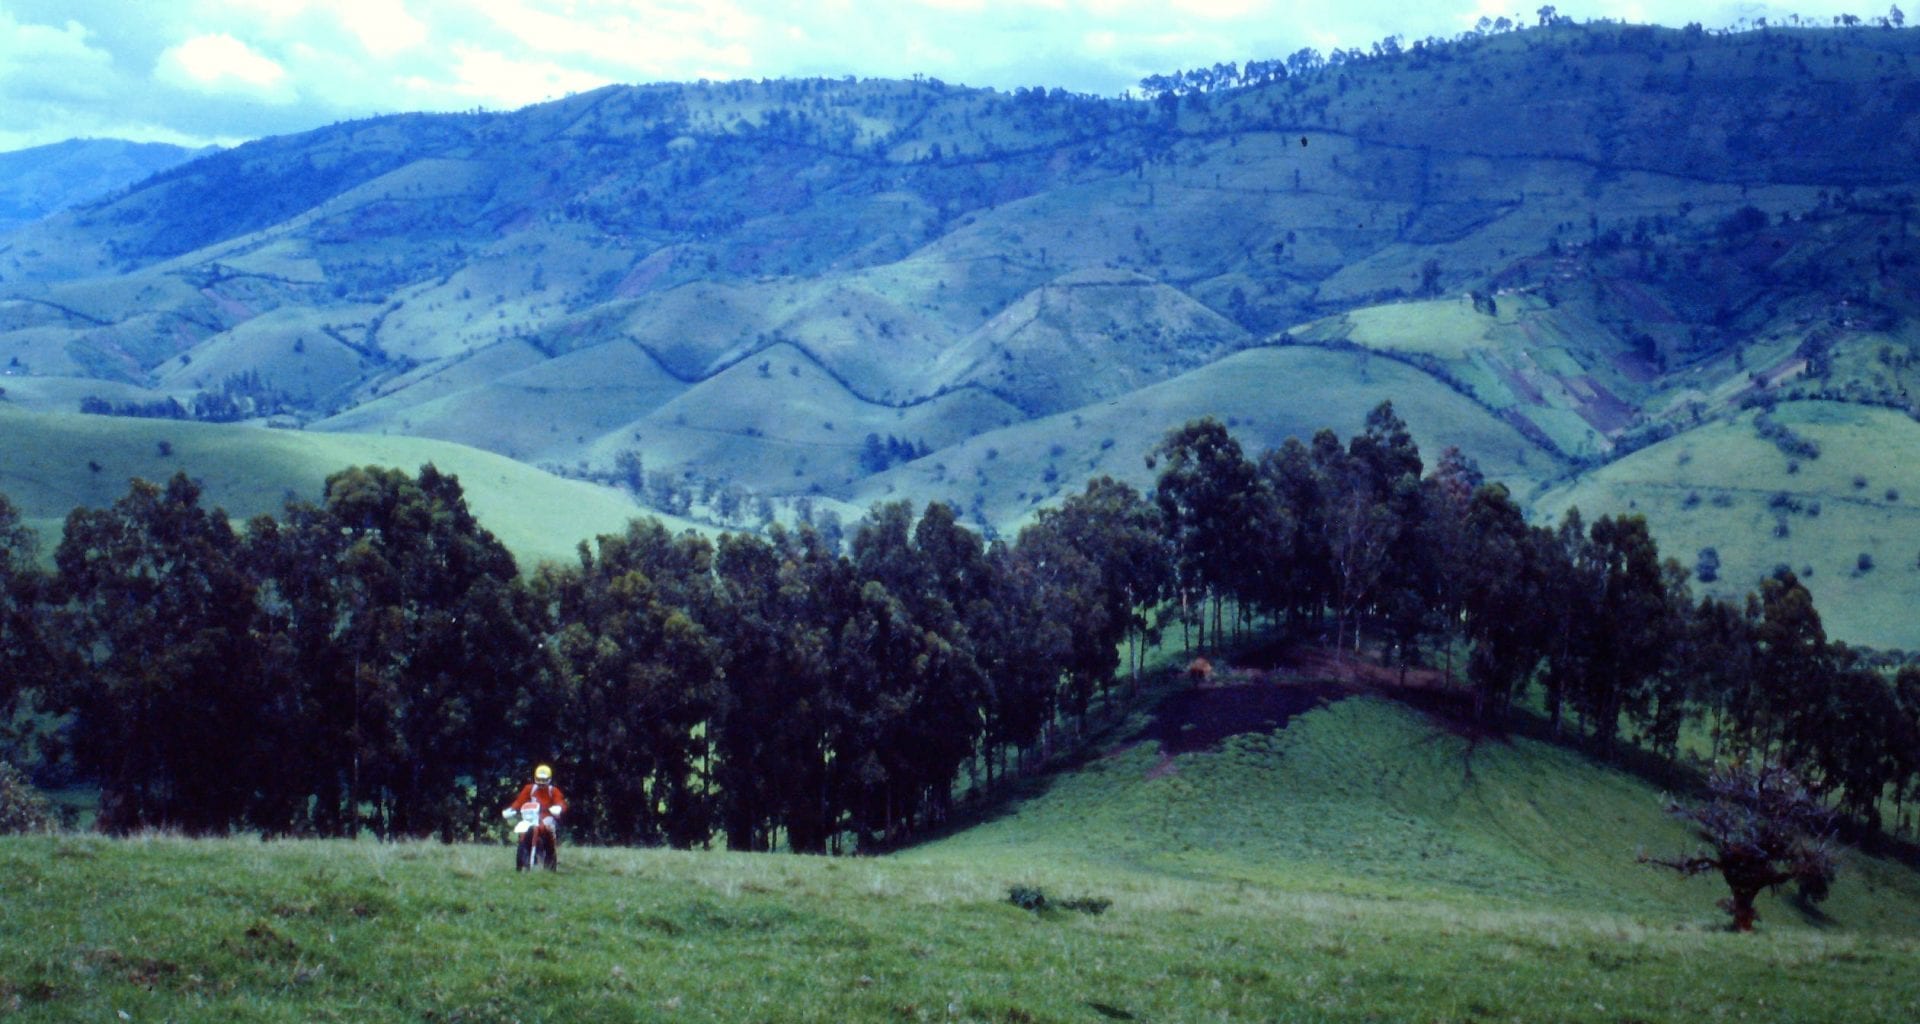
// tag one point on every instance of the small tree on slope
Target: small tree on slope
(1764, 828)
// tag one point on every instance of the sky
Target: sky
(198, 72)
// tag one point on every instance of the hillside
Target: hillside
(1344, 866)
(54, 463)
(43, 180)
(1551, 248)
(1831, 491)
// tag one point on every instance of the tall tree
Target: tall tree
(1207, 493)
(30, 663)
(302, 613)
(1717, 656)
(448, 679)
(1445, 542)
(1792, 666)
(1299, 583)
(1120, 536)
(781, 609)
(640, 679)
(1504, 576)
(1632, 627)
(1359, 530)
(919, 694)
(167, 711)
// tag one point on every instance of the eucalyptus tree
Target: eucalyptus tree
(639, 681)
(447, 680)
(1208, 494)
(30, 661)
(167, 703)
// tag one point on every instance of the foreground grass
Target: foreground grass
(169, 929)
(1340, 869)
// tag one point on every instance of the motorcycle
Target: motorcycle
(537, 840)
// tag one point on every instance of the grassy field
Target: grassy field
(1000, 476)
(54, 463)
(1726, 487)
(1343, 869)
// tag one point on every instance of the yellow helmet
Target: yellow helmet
(543, 774)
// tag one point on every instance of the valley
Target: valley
(735, 301)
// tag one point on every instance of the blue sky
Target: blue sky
(222, 71)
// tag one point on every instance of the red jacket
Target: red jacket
(546, 794)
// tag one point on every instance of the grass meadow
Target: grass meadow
(54, 463)
(1724, 486)
(1344, 868)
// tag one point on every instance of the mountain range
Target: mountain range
(1624, 268)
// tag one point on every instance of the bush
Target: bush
(1028, 897)
(1707, 567)
(22, 808)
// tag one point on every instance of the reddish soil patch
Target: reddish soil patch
(1601, 407)
(1522, 387)
(1287, 681)
(1200, 718)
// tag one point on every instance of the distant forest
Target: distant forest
(377, 661)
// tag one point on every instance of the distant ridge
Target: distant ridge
(44, 180)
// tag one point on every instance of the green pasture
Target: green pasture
(1346, 868)
(1264, 396)
(49, 467)
(1724, 486)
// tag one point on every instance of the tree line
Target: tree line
(375, 661)
(1587, 618)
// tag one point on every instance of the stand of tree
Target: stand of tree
(377, 662)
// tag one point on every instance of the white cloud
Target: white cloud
(496, 79)
(384, 27)
(221, 63)
(46, 60)
(1222, 10)
(637, 39)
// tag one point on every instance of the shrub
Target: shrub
(1707, 567)
(1028, 897)
(22, 808)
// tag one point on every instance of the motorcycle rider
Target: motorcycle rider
(542, 791)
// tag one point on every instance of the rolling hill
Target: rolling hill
(1552, 248)
(1824, 488)
(54, 463)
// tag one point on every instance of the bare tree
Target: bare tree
(1765, 828)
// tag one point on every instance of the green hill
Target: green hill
(1370, 798)
(41, 180)
(1846, 520)
(1264, 396)
(54, 463)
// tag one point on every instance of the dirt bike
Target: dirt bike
(537, 841)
